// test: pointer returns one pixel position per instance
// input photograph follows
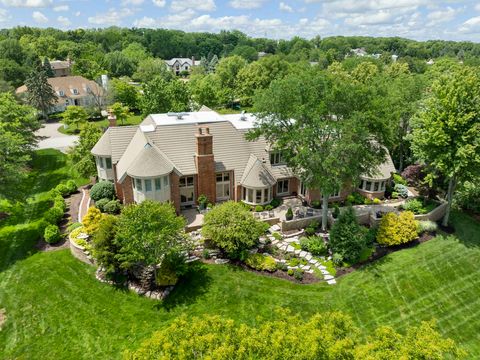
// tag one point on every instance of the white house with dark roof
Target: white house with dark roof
(177, 65)
(179, 156)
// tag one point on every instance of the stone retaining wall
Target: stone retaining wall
(77, 251)
(299, 223)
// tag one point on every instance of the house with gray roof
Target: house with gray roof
(177, 65)
(179, 156)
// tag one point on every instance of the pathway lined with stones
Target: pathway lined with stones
(286, 245)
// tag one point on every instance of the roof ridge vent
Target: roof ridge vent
(178, 115)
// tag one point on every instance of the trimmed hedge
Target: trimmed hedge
(52, 234)
(102, 190)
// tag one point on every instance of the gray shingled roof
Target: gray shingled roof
(176, 145)
(383, 171)
(256, 174)
(150, 163)
(114, 142)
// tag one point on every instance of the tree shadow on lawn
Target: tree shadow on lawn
(467, 229)
(192, 285)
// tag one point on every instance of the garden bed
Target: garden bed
(381, 251)
(279, 274)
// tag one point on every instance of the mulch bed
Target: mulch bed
(381, 251)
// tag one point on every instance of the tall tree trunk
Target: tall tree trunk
(451, 189)
(324, 212)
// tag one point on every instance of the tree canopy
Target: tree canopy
(18, 124)
(446, 130)
(327, 128)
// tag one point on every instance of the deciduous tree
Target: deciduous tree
(327, 129)
(446, 130)
(18, 124)
(82, 159)
(75, 116)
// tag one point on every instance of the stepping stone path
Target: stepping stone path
(285, 245)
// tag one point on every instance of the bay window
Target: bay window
(257, 196)
(151, 189)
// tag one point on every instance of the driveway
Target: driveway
(50, 138)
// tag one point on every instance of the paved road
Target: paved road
(51, 138)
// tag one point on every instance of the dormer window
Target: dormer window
(75, 91)
(276, 158)
(61, 93)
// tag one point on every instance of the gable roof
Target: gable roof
(150, 163)
(173, 142)
(256, 174)
(65, 86)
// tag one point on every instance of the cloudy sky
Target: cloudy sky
(416, 19)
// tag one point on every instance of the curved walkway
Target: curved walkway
(84, 204)
(51, 138)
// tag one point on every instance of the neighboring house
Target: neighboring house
(61, 68)
(178, 157)
(73, 90)
(177, 65)
(359, 52)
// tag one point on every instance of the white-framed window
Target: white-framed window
(335, 194)
(223, 186)
(276, 158)
(61, 93)
(108, 163)
(75, 91)
(187, 190)
(373, 186)
(303, 189)
(151, 189)
(148, 185)
(283, 187)
(257, 196)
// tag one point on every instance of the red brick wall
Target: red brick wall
(118, 186)
(205, 162)
(127, 190)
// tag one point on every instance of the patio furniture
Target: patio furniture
(264, 214)
(271, 214)
(309, 212)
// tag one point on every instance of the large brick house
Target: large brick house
(177, 157)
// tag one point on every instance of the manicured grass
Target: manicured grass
(56, 309)
(132, 120)
(20, 231)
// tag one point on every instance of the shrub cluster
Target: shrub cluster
(322, 336)
(65, 189)
(261, 262)
(52, 234)
(355, 199)
(415, 206)
(397, 229)
(232, 228)
(314, 245)
(347, 237)
(426, 226)
(109, 206)
(401, 190)
(398, 179)
(312, 228)
(91, 221)
(102, 190)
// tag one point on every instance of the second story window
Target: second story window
(276, 158)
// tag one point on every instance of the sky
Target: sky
(414, 19)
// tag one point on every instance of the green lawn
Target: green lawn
(20, 231)
(132, 120)
(57, 310)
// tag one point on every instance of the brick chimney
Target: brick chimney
(112, 119)
(205, 164)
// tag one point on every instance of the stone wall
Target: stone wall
(299, 223)
(434, 215)
(77, 251)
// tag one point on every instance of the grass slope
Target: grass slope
(20, 231)
(56, 309)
